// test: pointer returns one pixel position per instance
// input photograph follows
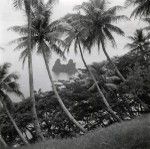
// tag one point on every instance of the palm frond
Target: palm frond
(23, 56)
(22, 30)
(114, 9)
(131, 46)
(131, 38)
(110, 37)
(115, 29)
(21, 46)
(4, 69)
(58, 51)
(8, 80)
(18, 40)
(13, 87)
(118, 18)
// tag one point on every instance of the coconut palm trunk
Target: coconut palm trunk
(2, 141)
(14, 124)
(113, 65)
(30, 68)
(58, 97)
(109, 109)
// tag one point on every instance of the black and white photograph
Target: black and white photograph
(74, 74)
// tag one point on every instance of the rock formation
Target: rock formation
(69, 68)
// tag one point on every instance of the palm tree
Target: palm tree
(76, 34)
(100, 23)
(46, 39)
(8, 85)
(105, 78)
(27, 5)
(142, 7)
(139, 44)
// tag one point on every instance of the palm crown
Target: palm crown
(45, 35)
(8, 80)
(75, 31)
(139, 43)
(106, 79)
(99, 22)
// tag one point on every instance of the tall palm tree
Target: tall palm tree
(142, 7)
(8, 85)
(76, 35)
(46, 38)
(139, 44)
(100, 23)
(27, 5)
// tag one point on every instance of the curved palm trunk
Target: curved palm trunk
(109, 109)
(113, 65)
(58, 97)
(31, 84)
(2, 141)
(14, 124)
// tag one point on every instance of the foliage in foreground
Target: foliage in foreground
(127, 135)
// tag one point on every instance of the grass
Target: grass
(133, 134)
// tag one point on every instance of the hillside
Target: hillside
(127, 135)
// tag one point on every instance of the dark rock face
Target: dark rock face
(69, 68)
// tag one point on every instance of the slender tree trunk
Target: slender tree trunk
(14, 124)
(99, 90)
(31, 83)
(113, 65)
(2, 141)
(58, 97)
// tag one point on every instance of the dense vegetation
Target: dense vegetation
(98, 96)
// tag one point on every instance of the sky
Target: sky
(10, 17)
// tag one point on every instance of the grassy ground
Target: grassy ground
(133, 134)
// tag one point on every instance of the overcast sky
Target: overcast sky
(9, 17)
